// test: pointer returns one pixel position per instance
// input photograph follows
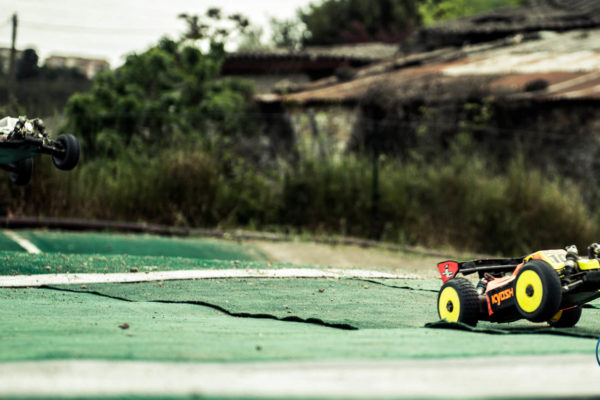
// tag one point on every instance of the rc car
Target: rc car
(21, 139)
(545, 286)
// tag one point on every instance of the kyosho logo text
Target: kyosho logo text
(503, 295)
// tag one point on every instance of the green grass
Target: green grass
(8, 244)
(20, 263)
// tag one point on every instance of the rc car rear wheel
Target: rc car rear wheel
(21, 172)
(566, 318)
(537, 291)
(458, 301)
(68, 159)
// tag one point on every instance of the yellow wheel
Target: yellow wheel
(449, 304)
(458, 302)
(529, 291)
(537, 291)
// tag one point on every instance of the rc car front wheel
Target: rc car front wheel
(69, 156)
(537, 291)
(566, 318)
(458, 301)
(21, 171)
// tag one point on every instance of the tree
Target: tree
(287, 33)
(157, 98)
(252, 40)
(355, 21)
(27, 66)
(214, 27)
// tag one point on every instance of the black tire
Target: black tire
(458, 301)
(67, 160)
(566, 318)
(22, 171)
(538, 291)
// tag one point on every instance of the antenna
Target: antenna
(11, 77)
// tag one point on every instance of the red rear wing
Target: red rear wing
(448, 270)
(497, 267)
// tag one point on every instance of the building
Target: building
(87, 66)
(5, 57)
(543, 89)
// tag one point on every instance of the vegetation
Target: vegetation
(433, 11)
(158, 98)
(357, 21)
(461, 201)
(333, 22)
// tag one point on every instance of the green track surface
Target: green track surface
(8, 244)
(51, 324)
(345, 303)
(138, 245)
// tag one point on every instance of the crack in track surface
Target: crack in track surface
(394, 286)
(291, 318)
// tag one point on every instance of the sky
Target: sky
(111, 29)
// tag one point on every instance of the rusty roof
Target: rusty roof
(572, 71)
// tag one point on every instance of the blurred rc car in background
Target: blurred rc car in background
(546, 286)
(21, 139)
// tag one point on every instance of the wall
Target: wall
(326, 128)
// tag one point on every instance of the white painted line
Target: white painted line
(528, 376)
(78, 279)
(21, 241)
(370, 274)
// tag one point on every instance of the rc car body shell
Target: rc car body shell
(21, 139)
(516, 288)
(12, 150)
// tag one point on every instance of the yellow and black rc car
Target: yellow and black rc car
(546, 286)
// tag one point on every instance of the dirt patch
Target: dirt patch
(343, 256)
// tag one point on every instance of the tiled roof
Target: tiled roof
(367, 52)
(319, 60)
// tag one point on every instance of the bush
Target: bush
(458, 201)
